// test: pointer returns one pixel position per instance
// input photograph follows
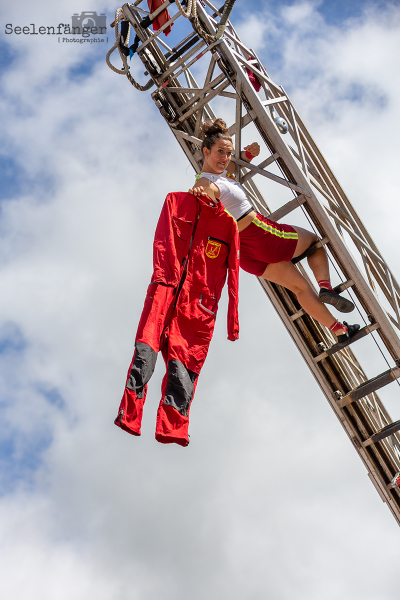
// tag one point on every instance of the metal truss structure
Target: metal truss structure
(294, 166)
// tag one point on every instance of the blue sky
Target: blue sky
(337, 12)
(273, 501)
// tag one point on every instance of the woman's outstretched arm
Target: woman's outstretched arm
(252, 149)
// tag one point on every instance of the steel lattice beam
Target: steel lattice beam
(296, 164)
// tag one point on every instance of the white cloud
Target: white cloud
(269, 499)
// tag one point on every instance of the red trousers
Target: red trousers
(182, 333)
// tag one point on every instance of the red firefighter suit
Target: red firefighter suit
(196, 243)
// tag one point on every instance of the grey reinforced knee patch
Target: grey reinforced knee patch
(180, 387)
(142, 368)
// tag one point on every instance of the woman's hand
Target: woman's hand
(198, 191)
(201, 191)
(253, 148)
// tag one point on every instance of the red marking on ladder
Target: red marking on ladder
(165, 84)
(199, 55)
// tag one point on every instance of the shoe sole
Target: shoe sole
(341, 304)
(345, 342)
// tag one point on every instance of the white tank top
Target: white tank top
(231, 194)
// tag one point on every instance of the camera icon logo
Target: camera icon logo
(87, 20)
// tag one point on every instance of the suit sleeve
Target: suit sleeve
(233, 287)
(165, 261)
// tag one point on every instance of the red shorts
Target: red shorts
(264, 242)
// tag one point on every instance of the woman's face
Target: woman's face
(217, 159)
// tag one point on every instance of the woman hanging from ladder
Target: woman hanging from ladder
(266, 247)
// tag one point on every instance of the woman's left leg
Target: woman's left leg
(286, 274)
(319, 265)
(318, 261)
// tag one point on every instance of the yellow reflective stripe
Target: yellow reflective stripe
(228, 213)
(287, 235)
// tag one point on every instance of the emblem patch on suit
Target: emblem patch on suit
(212, 249)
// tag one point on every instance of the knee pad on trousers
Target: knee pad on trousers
(131, 408)
(173, 412)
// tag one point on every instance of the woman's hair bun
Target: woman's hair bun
(212, 127)
(213, 130)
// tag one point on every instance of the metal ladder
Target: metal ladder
(295, 166)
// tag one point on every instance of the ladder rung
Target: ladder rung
(343, 286)
(287, 208)
(367, 387)
(335, 348)
(383, 433)
(297, 315)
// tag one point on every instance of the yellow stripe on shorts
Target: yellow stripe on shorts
(287, 235)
